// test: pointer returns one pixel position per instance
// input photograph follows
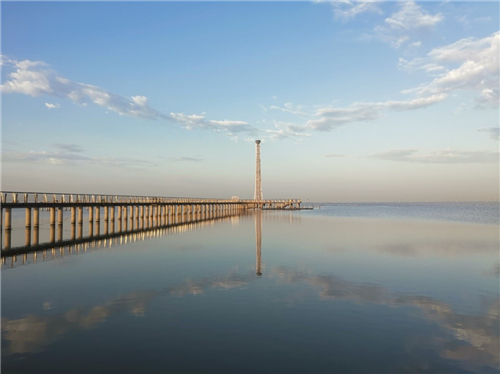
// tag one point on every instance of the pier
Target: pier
(118, 213)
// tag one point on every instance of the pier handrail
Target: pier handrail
(12, 197)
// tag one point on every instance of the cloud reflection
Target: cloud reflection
(472, 339)
(32, 333)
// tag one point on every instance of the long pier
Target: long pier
(128, 212)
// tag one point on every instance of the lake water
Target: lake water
(350, 288)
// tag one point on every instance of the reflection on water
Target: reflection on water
(258, 239)
(480, 333)
(30, 254)
(31, 333)
(338, 295)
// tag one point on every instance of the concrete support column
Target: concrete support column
(120, 221)
(146, 217)
(125, 217)
(112, 218)
(27, 241)
(91, 221)
(36, 217)
(131, 216)
(106, 220)
(52, 216)
(80, 222)
(36, 226)
(141, 215)
(136, 215)
(98, 219)
(52, 236)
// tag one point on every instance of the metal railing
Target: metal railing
(14, 197)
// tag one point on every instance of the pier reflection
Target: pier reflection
(143, 230)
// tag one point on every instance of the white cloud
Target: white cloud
(447, 156)
(411, 16)
(35, 78)
(230, 127)
(52, 106)
(140, 100)
(285, 130)
(493, 131)
(290, 108)
(329, 118)
(478, 70)
(345, 10)
(409, 22)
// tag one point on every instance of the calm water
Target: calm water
(350, 288)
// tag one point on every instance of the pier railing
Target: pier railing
(16, 197)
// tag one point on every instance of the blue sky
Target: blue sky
(354, 101)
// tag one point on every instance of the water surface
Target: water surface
(344, 289)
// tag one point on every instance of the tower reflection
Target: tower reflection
(258, 238)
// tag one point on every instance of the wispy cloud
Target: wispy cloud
(447, 156)
(478, 71)
(285, 130)
(69, 156)
(493, 131)
(346, 10)
(71, 148)
(410, 22)
(183, 158)
(230, 127)
(290, 108)
(330, 118)
(52, 106)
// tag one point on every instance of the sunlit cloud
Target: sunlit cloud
(285, 130)
(52, 106)
(36, 78)
(478, 69)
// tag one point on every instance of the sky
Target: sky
(354, 101)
